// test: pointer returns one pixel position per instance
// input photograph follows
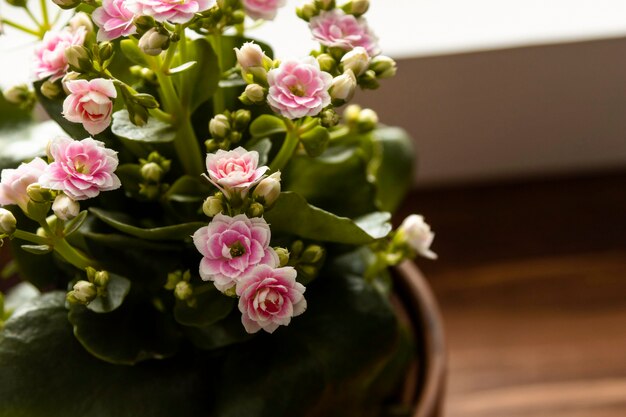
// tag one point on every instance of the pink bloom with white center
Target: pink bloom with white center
(114, 20)
(50, 60)
(81, 169)
(270, 297)
(231, 247)
(175, 11)
(298, 88)
(90, 103)
(337, 29)
(263, 9)
(14, 182)
(234, 171)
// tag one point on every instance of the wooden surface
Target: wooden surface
(532, 285)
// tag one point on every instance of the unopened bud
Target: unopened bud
(105, 51)
(249, 56)
(50, 89)
(307, 11)
(154, 42)
(356, 60)
(8, 224)
(329, 118)
(241, 119)
(78, 58)
(325, 4)
(152, 172)
(369, 80)
(343, 86)
(183, 290)
(144, 23)
(312, 254)
(356, 7)
(38, 194)
(81, 19)
(351, 114)
(66, 4)
(212, 206)
(255, 210)
(283, 256)
(296, 248)
(268, 190)
(101, 279)
(219, 126)
(83, 292)
(383, 66)
(17, 3)
(65, 208)
(327, 63)
(254, 94)
(368, 120)
(20, 95)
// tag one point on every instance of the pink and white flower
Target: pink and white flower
(14, 182)
(175, 11)
(81, 169)
(50, 60)
(234, 171)
(263, 9)
(417, 234)
(231, 247)
(90, 103)
(336, 29)
(114, 20)
(270, 297)
(298, 88)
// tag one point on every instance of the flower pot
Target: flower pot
(425, 381)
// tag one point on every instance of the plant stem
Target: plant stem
(73, 255)
(218, 96)
(20, 27)
(32, 17)
(44, 12)
(286, 151)
(31, 237)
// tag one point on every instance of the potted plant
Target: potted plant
(209, 237)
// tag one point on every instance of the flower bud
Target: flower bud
(50, 90)
(325, 4)
(17, 3)
(312, 254)
(283, 256)
(219, 126)
(81, 19)
(152, 172)
(368, 80)
(307, 11)
(268, 190)
(241, 119)
(20, 95)
(249, 56)
(65, 208)
(144, 23)
(154, 42)
(416, 233)
(329, 118)
(38, 194)
(343, 87)
(356, 60)
(254, 93)
(383, 66)
(212, 206)
(83, 292)
(105, 50)
(67, 4)
(78, 58)
(8, 224)
(327, 63)
(356, 7)
(368, 120)
(255, 210)
(183, 290)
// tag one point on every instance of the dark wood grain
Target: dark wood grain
(532, 285)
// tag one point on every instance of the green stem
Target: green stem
(218, 96)
(20, 27)
(185, 99)
(32, 17)
(169, 56)
(44, 12)
(31, 237)
(73, 255)
(161, 115)
(287, 150)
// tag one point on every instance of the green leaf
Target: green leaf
(263, 147)
(292, 214)
(154, 131)
(116, 291)
(130, 177)
(212, 306)
(198, 83)
(188, 189)
(37, 249)
(75, 224)
(133, 53)
(119, 222)
(335, 181)
(134, 332)
(315, 141)
(267, 125)
(182, 68)
(47, 373)
(223, 333)
(393, 167)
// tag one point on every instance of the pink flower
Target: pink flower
(298, 88)
(231, 246)
(270, 297)
(262, 9)
(114, 20)
(14, 182)
(175, 11)
(337, 29)
(50, 60)
(234, 171)
(81, 169)
(90, 103)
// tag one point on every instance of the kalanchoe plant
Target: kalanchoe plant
(210, 237)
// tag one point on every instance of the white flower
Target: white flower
(417, 234)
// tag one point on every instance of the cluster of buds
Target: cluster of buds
(360, 120)
(138, 104)
(85, 291)
(154, 36)
(314, 7)
(225, 13)
(20, 95)
(153, 169)
(179, 283)
(254, 66)
(306, 259)
(92, 61)
(227, 129)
